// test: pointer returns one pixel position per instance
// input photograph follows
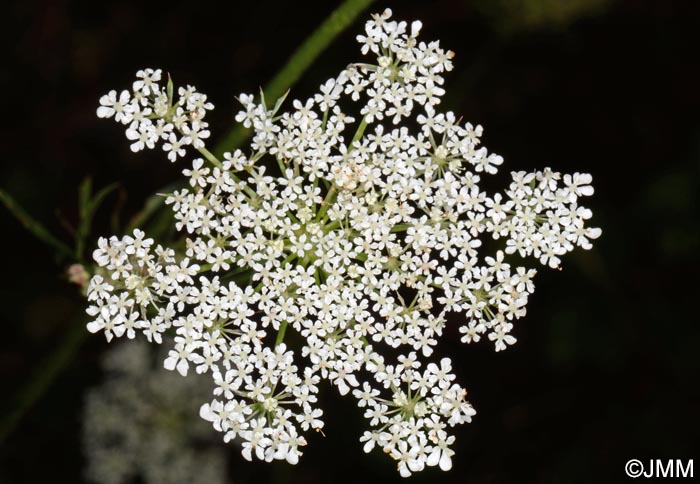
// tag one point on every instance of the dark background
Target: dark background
(606, 366)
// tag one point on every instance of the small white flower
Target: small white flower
(119, 107)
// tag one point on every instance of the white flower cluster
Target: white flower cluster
(361, 237)
(151, 116)
(141, 424)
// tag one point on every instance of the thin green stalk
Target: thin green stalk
(327, 202)
(209, 156)
(280, 333)
(36, 228)
(358, 134)
(88, 205)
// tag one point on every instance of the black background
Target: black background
(606, 365)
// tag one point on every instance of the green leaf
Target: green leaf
(262, 98)
(99, 198)
(33, 226)
(88, 205)
(279, 102)
(151, 206)
(84, 196)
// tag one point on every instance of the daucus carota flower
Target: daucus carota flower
(346, 227)
(141, 424)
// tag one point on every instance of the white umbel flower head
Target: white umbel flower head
(346, 228)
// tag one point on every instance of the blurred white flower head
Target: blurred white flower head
(141, 423)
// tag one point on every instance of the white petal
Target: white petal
(293, 457)
(434, 457)
(95, 326)
(445, 462)
(169, 363)
(206, 413)
(105, 112)
(182, 367)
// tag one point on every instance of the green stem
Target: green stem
(358, 134)
(280, 333)
(327, 202)
(400, 228)
(36, 228)
(209, 156)
(300, 60)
